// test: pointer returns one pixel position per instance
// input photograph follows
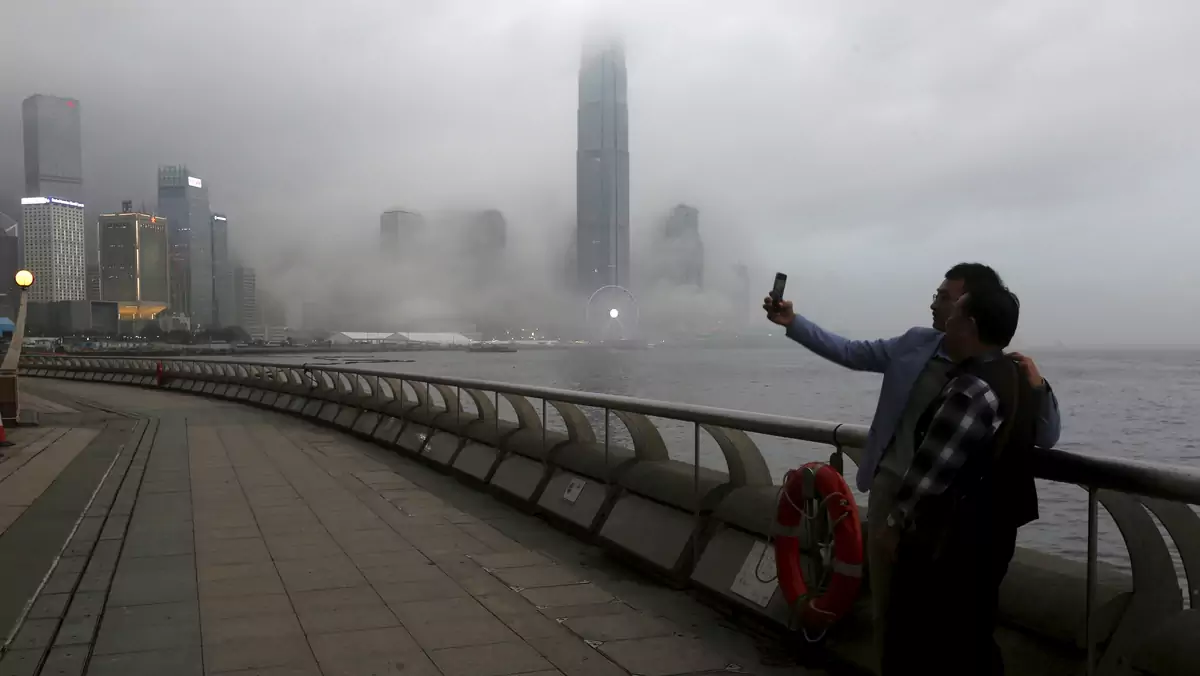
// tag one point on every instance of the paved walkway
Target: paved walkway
(225, 539)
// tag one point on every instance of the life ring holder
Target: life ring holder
(800, 502)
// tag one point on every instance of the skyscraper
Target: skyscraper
(134, 263)
(53, 148)
(682, 251)
(183, 199)
(397, 228)
(223, 294)
(10, 262)
(54, 248)
(602, 172)
(245, 292)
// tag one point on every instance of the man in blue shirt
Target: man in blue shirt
(915, 370)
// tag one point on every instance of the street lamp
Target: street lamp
(10, 406)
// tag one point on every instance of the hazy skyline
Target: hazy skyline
(862, 150)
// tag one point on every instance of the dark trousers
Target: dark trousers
(942, 614)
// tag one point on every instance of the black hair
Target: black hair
(975, 276)
(996, 311)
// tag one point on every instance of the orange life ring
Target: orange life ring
(846, 575)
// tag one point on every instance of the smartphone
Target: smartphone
(777, 290)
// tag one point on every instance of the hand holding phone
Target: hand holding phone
(778, 310)
(777, 290)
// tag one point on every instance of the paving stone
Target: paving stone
(224, 607)
(77, 630)
(114, 528)
(271, 496)
(326, 573)
(587, 610)
(496, 659)
(153, 627)
(157, 579)
(62, 581)
(352, 520)
(530, 577)
(302, 546)
(157, 543)
(79, 547)
(535, 625)
(177, 662)
(21, 662)
(275, 625)
(239, 578)
(491, 538)
(408, 557)
(34, 634)
(570, 595)
(514, 559)
(255, 653)
(86, 603)
(506, 603)
(204, 534)
(66, 661)
(298, 510)
(372, 651)
(49, 606)
(421, 590)
(419, 612)
(411, 572)
(105, 555)
(663, 656)
(177, 482)
(453, 543)
(244, 550)
(460, 632)
(367, 541)
(339, 610)
(576, 658)
(304, 669)
(89, 529)
(289, 526)
(166, 509)
(482, 584)
(619, 627)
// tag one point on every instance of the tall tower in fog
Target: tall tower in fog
(53, 148)
(183, 199)
(602, 171)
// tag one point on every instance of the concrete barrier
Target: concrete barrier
(525, 468)
(659, 515)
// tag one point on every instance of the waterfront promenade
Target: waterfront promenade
(186, 535)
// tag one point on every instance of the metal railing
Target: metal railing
(1137, 495)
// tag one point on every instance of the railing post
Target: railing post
(1090, 600)
(544, 459)
(606, 412)
(696, 493)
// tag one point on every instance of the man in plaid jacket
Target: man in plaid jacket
(953, 526)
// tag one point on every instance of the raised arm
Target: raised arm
(859, 355)
(1048, 425)
(967, 418)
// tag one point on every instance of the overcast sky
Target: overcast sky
(861, 149)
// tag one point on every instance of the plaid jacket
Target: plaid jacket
(966, 422)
